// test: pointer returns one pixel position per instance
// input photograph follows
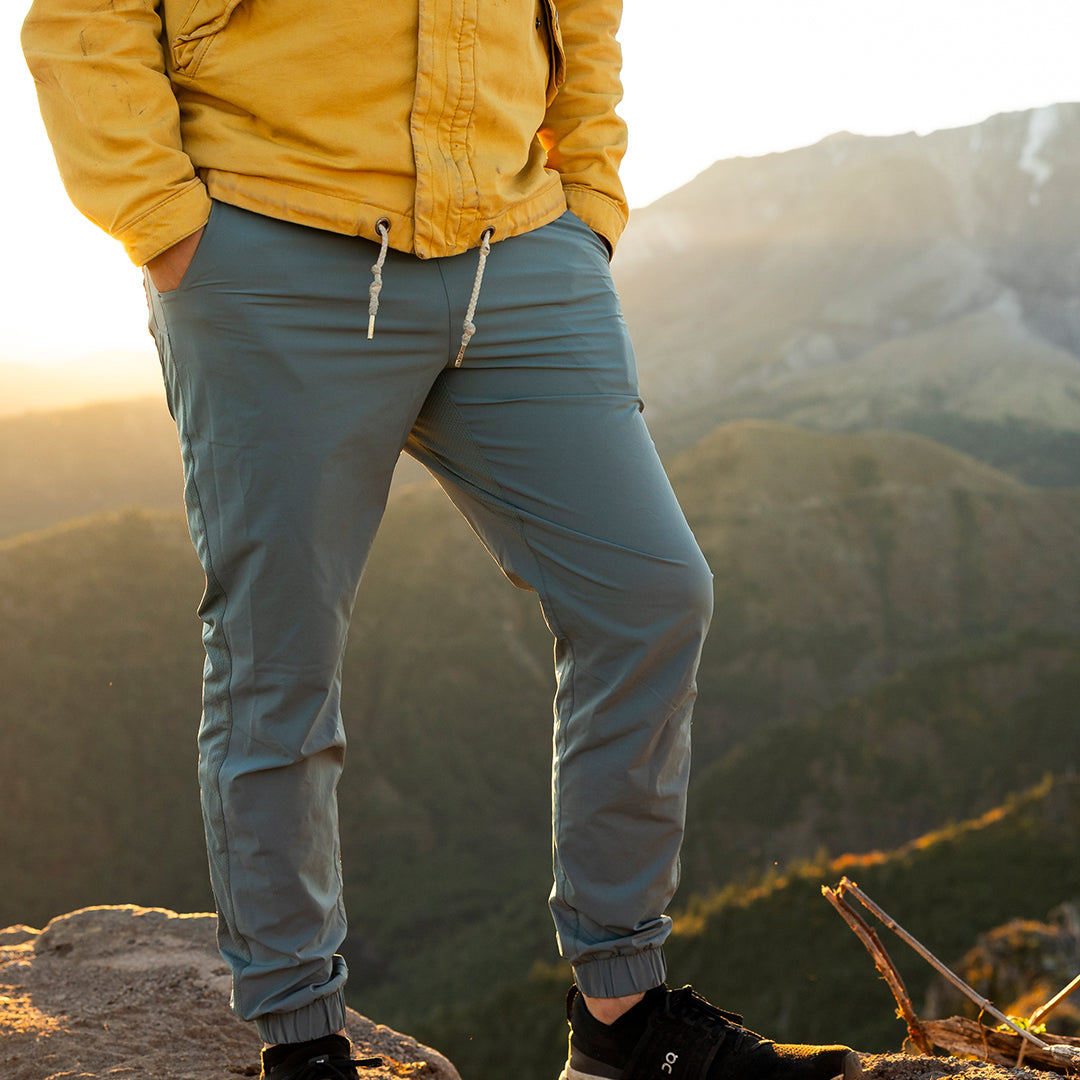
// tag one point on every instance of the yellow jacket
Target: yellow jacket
(443, 117)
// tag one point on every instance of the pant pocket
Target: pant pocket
(159, 331)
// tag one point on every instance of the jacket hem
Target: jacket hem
(334, 213)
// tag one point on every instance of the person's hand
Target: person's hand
(167, 269)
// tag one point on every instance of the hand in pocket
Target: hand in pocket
(167, 269)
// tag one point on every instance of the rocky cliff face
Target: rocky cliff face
(863, 281)
(142, 992)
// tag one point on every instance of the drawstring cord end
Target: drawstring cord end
(469, 327)
(382, 227)
(468, 330)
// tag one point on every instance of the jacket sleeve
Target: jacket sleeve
(584, 137)
(113, 120)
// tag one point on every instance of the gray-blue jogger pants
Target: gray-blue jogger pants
(290, 424)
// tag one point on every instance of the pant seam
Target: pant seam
(191, 484)
(219, 813)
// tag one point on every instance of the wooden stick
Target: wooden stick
(847, 886)
(961, 1036)
(1062, 1052)
(884, 964)
(1045, 1010)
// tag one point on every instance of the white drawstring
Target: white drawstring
(469, 327)
(382, 227)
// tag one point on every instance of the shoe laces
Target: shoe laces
(697, 1010)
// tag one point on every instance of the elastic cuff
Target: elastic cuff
(324, 1016)
(618, 976)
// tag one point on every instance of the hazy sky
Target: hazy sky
(704, 79)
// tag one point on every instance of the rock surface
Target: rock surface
(131, 992)
(904, 1067)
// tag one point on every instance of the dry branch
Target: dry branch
(956, 1035)
(884, 964)
(959, 1035)
(1044, 1011)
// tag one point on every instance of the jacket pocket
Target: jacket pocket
(205, 19)
(556, 52)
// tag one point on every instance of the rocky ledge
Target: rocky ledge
(131, 992)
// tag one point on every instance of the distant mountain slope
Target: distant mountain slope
(980, 365)
(918, 283)
(944, 740)
(100, 377)
(841, 559)
(769, 286)
(102, 665)
(68, 463)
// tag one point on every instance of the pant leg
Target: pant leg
(290, 424)
(540, 441)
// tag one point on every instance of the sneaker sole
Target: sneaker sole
(853, 1070)
(570, 1073)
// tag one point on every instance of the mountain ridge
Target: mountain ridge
(746, 288)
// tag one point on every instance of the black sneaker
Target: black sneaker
(328, 1058)
(678, 1035)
